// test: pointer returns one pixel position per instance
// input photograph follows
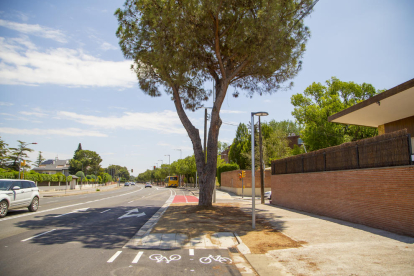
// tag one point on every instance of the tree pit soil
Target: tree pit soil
(193, 220)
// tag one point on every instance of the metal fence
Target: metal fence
(391, 149)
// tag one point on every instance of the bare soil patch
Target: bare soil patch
(192, 220)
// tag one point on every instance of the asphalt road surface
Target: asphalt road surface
(84, 235)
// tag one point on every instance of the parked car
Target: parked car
(268, 194)
(148, 185)
(126, 184)
(16, 194)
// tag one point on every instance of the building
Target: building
(51, 166)
(389, 111)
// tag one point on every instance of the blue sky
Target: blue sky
(64, 80)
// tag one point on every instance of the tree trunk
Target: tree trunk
(206, 170)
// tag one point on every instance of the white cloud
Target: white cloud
(63, 132)
(107, 46)
(22, 65)
(267, 101)
(35, 30)
(166, 121)
(224, 111)
(6, 104)
(37, 114)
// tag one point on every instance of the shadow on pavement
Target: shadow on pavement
(91, 228)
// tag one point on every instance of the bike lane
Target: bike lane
(171, 262)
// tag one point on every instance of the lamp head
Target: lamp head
(260, 113)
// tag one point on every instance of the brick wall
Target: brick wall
(381, 198)
(230, 182)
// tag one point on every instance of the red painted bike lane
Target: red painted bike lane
(185, 199)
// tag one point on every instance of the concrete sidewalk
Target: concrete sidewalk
(330, 246)
(61, 192)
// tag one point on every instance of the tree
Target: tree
(4, 151)
(19, 154)
(86, 161)
(318, 102)
(240, 145)
(39, 160)
(81, 175)
(285, 126)
(254, 46)
(221, 146)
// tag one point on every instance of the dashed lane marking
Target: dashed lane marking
(105, 211)
(38, 235)
(67, 206)
(114, 256)
(191, 252)
(136, 259)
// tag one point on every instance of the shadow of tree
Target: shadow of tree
(91, 228)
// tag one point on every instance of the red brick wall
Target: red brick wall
(226, 179)
(381, 198)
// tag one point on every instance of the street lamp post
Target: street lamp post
(253, 180)
(18, 156)
(169, 163)
(181, 151)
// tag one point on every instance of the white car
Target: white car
(268, 194)
(16, 193)
(148, 185)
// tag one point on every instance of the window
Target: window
(25, 184)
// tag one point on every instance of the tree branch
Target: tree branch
(217, 45)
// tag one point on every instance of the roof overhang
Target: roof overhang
(392, 105)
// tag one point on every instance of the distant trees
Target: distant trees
(318, 102)
(275, 144)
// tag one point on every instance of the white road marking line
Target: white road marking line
(75, 211)
(136, 259)
(114, 256)
(192, 252)
(52, 201)
(131, 201)
(105, 211)
(38, 235)
(67, 206)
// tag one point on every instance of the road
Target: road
(85, 235)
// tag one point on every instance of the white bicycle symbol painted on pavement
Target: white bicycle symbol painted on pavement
(218, 258)
(159, 258)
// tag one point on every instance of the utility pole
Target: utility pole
(261, 164)
(205, 134)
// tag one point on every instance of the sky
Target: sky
(64, 80)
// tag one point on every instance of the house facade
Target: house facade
(53, 166)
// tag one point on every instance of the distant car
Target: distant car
(16, 194)
(268, 194)
(132, 183)
(126, 184)
(148, 185)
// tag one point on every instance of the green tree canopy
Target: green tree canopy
(86, 161)
(318, 102)
(254, 46)
(19, 153)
